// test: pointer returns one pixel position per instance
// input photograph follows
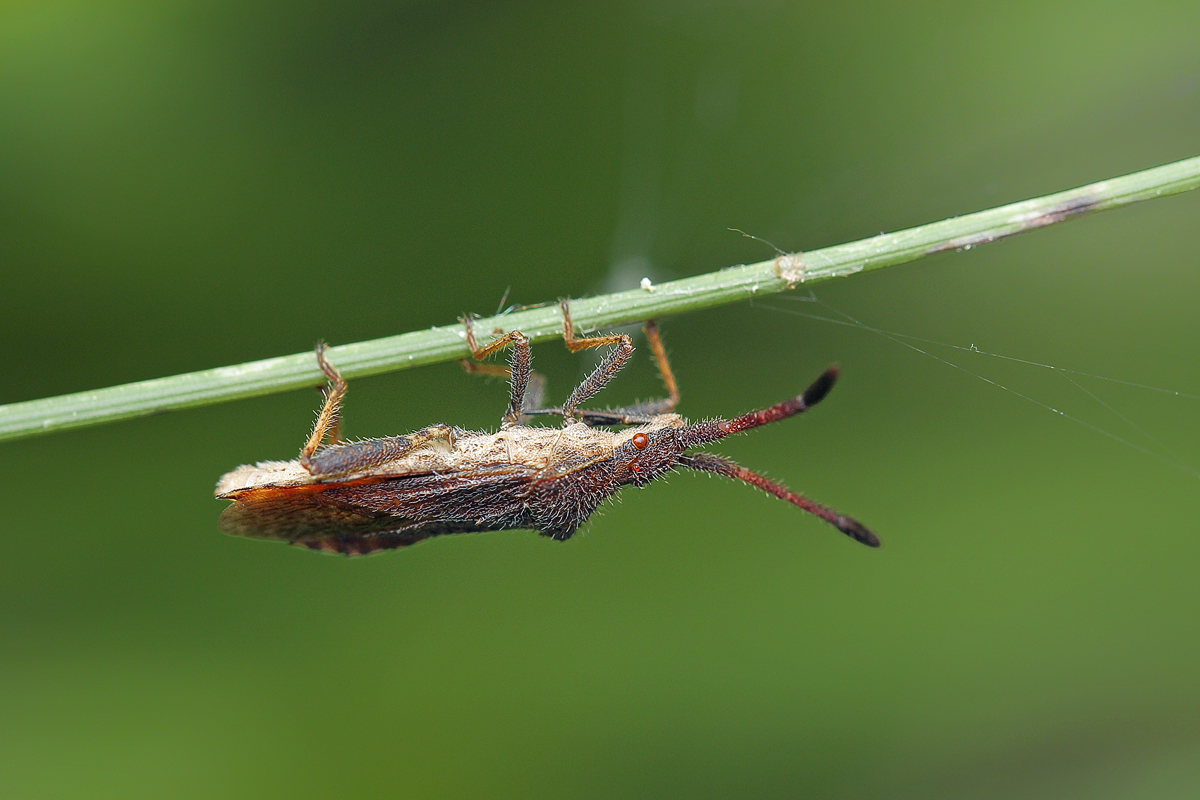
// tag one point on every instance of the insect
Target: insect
(376, 494)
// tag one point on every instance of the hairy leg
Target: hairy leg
(340, 458)
(327, 420)
(518, 370)
(602, 374)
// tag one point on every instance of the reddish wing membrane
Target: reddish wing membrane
(317, 521)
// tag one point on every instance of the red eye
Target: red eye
(640, 440)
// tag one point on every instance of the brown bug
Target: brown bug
(377, 494)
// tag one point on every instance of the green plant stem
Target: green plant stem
(545, 322)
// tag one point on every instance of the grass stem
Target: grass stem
(730, 285)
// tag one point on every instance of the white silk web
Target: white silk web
(1153, 447)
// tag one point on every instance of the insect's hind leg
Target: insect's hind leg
(328, 420)
(525, 386)
(350, 457)
(340, 458)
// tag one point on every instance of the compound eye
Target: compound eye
(640, 440)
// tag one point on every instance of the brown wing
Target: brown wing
(318, 521)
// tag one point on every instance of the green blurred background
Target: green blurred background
(187, 185)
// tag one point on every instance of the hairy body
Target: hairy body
(548, 479)
(376, 494)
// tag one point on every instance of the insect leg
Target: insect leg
(342, 457)
(518, 369)
(641, 413)
(349, 457)
(610, 366)
(668, 403)
(327, 420)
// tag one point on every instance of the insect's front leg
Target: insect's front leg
(602, 374)
(518, 369)
(644, 412)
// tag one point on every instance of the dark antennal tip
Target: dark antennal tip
(820, 387)
(857, 531)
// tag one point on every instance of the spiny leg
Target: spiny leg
(339, 458)
(610, 366)
(640, 413)
(327, 420)
(518, 370)
(351, 457)
(535, 391)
